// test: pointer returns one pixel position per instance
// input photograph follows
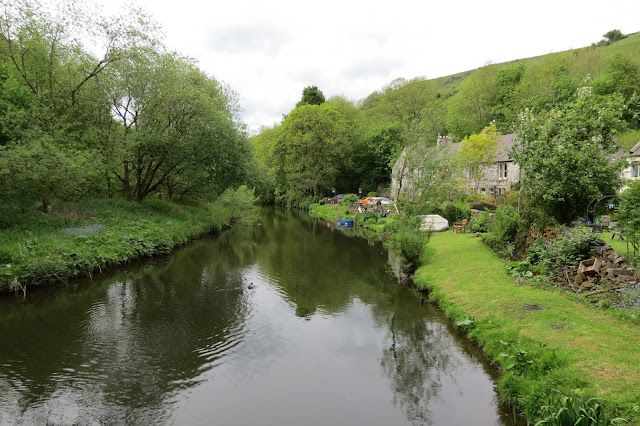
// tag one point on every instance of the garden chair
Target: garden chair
(460, 226)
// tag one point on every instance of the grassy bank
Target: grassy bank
(82, 238)
(545, 341)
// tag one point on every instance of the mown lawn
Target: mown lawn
(593, 350)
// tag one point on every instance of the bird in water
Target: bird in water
(251, 286)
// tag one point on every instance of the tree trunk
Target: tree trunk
(126, 181)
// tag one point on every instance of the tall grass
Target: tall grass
(84, 237)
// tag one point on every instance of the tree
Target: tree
(311, 95)
(308, 149)
(563, 153)
(622, 76)
(471, 108)
(427, 171)
(629, 215)
(405, 103)
(176, 123)
(506, 106)
(476, 153)
(614, 35)
(57, 113)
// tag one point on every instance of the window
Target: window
(635, 171)
(502, 171)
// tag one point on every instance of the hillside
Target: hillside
(448, 85)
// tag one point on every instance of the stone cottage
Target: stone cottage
(499, 176)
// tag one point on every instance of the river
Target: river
(282, 322)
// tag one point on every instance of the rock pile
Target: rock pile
(607, 272)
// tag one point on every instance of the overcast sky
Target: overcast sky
(268, 51)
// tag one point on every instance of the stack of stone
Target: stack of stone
(608, 271)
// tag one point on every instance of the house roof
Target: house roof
(635, 151)
(506, 143)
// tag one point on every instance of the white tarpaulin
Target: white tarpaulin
(434, 222)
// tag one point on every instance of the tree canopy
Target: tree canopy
(311, 95)
(136, 120)
(565, 153)
(476, 153)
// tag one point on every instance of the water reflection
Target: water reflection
(323, 336)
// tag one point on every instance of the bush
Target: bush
(511, 198)
(349, 199)
(454, 211)
(238, 201)
(503, 230)
(480, 223)
(505, 223)
(482, 205)
(408, 240)
(371, 217)
(566, 250)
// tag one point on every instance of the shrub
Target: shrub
(371, 217)
(511, 198)
(482, 205)
(408, 240)
(454, 211)
(505, 223)
(503, 230)
(349, 199)
(480, 223)
(238, 201)
(566, 250)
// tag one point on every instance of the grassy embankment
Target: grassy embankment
(548, 340)
(545, 339)
(80, 239)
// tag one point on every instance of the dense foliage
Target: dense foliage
(134, 121)
(403, 119)
(564, 153)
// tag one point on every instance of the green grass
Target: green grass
(629, 138)
(82, 238)
(563, 346)
(331, 212)
(450, 84)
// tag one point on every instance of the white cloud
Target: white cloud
(269, 51)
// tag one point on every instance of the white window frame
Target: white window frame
(502, 171)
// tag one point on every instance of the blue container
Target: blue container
(345, 223)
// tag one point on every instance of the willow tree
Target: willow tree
(175, 122)
(49, 124)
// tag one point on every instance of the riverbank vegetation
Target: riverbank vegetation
(84, 237)
(547, 343)
(112, 146)
(112, 156)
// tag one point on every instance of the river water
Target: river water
(283, 322)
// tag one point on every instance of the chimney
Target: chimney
(442, 139)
